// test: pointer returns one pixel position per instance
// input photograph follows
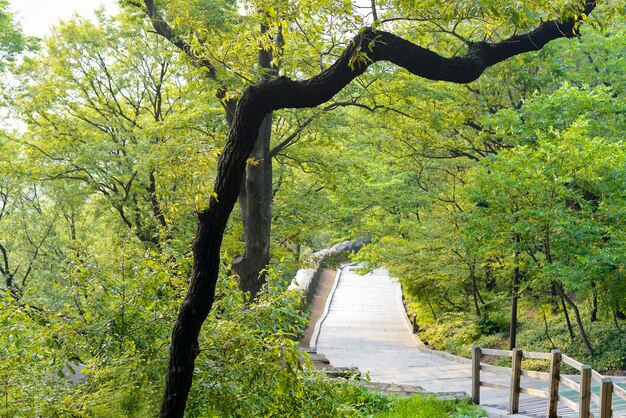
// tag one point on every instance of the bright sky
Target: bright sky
(36, 16)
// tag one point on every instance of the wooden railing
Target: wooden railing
(604, 400)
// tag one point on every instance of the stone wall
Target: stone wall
(307, 279)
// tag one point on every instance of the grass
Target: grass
(421, 406)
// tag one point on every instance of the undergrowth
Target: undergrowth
(457, 332)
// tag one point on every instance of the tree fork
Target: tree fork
(257, 101)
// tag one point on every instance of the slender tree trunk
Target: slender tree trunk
(475, 290)
(545, 323)
(432, 309)
(430, 305)
(554, 298)
(594, 302)
(490, 282)
(514, 298)
(579, 322)
(619, 312)
(570, 328)
(615, 319)
(154, 201)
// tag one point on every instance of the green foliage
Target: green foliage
(457, 185)
(419, 406)
(12, 40)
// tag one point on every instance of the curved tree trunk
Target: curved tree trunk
(194, 310)
(579, 322)
(570, 329)
(255, 104)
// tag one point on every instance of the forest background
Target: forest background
(498, 204)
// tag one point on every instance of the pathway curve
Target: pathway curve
(366, 326)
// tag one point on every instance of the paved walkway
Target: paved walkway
(366, 326)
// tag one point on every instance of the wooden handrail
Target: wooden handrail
(582, 405)
(571, 362)
(492, 352)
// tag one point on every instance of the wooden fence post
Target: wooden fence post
(553, 395)
(476, 374)
(606, 397)
(585, 392)
(516, 374)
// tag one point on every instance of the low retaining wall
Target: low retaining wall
(307, 279)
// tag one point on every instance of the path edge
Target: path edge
(419, 343)
(329, 299)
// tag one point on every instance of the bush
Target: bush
(419, 406)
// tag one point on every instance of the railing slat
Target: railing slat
(596, 377)
(595, 398)
(536, 375)
(619, 391)
(536, 355)
(534, 392)
(571, 362)
(494, 385)
(570, 383)
(494, 352)
(569, 403)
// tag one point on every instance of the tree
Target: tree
(548, 206)
(12, 40)
(369, 46)
(129, 105)
(291, 40)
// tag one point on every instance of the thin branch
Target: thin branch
(163, 28)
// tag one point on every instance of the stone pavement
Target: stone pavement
(366, 326)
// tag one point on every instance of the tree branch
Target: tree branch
(163, 28)
(256, 102)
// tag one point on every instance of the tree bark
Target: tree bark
(256, 102)
(194, 310)
(579, 322)
(594, 302)
(475, 290)
(514, 299)
(570, 329)
(255, 202)
(430, 305)
(256, 195)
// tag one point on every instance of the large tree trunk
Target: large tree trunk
(255, 202)
(256, 103)
(256, 196)
(194, 310)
